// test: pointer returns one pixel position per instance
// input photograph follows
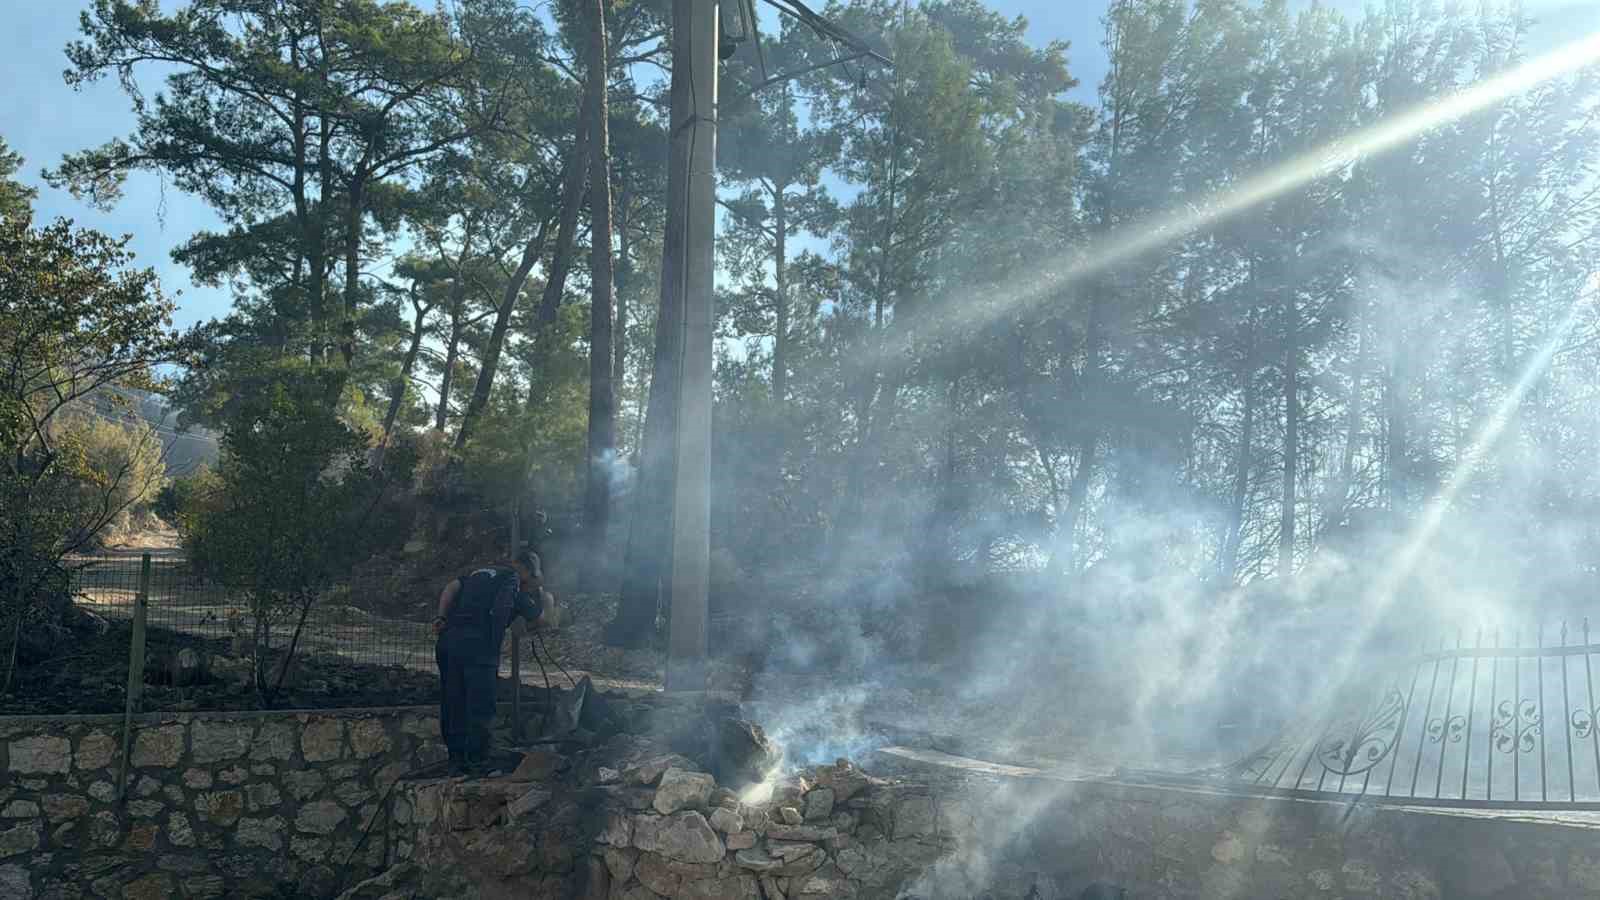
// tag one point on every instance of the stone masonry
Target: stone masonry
(217, 805)
(652, 826)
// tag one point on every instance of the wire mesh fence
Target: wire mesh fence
(183, 603)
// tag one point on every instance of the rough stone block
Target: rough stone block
(368, 738)
(262, 795)
(179, 831)
(813, 833)
(40, 755)
(322, 740)
(197, 779)
(653, 873)
(275, 741)
(160, 747)
(617, 830)
(144, 809)
(680, 790)
(650, 771)
(22, 838)
(151, 887)
(620, 862)
(352, 792)
(303, 784)
(14, 882)
(95, 751)
(102, 791)
(220, 807)
(684, 836)
(105, 830)
(726, 821)
(141, 838)
(321, 817)
(20, 809)
(264, 833)
(62, 807)
(212, 742)
(819, 804)
(203, 887)
(537, 765)
(310, 849)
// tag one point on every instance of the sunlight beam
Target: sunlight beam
(1381, 595)
(1128, 242)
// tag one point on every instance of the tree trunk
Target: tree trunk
(621, 279)
(1089, 442)
(352, 265)
(1337, 504)
(397, 388)
(602, 400)
(1395, 464)
(1228, 561)
(644, 589)
(780, 302)
(451, 353)
(531, 252)
(317, 254)
(1291, 429)
(573, 180)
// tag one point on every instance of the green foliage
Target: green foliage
(185, 495)
(75, 323)
(120, 467)
(295, 506)
(16, 198)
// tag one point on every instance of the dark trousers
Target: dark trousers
(466, 703)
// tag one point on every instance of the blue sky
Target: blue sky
(42, 118)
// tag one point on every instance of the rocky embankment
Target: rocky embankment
(630, 822)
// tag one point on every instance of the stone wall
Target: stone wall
(1054, 839)
(218, 804)
(567, 827)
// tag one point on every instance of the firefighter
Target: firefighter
(474, 611)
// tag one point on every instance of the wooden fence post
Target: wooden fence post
(141, 602)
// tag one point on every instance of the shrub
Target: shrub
(296, 506)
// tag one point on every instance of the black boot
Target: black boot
(457, 764)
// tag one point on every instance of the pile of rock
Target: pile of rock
(830, 831)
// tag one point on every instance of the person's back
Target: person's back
(474, 611)
(476, 622)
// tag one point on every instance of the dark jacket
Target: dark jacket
(486, 601)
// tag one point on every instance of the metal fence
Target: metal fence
(1495, 721)
(185, 604)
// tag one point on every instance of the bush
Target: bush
(296, 506)
(181, 496)
(121, 467)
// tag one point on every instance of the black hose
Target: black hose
(555, 662)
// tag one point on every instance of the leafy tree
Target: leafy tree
(295, 507)
(16, 198)
(74, 323)
(295, 121)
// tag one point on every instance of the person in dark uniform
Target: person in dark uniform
(474, 611)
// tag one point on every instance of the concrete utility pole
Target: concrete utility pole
(695, 40)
